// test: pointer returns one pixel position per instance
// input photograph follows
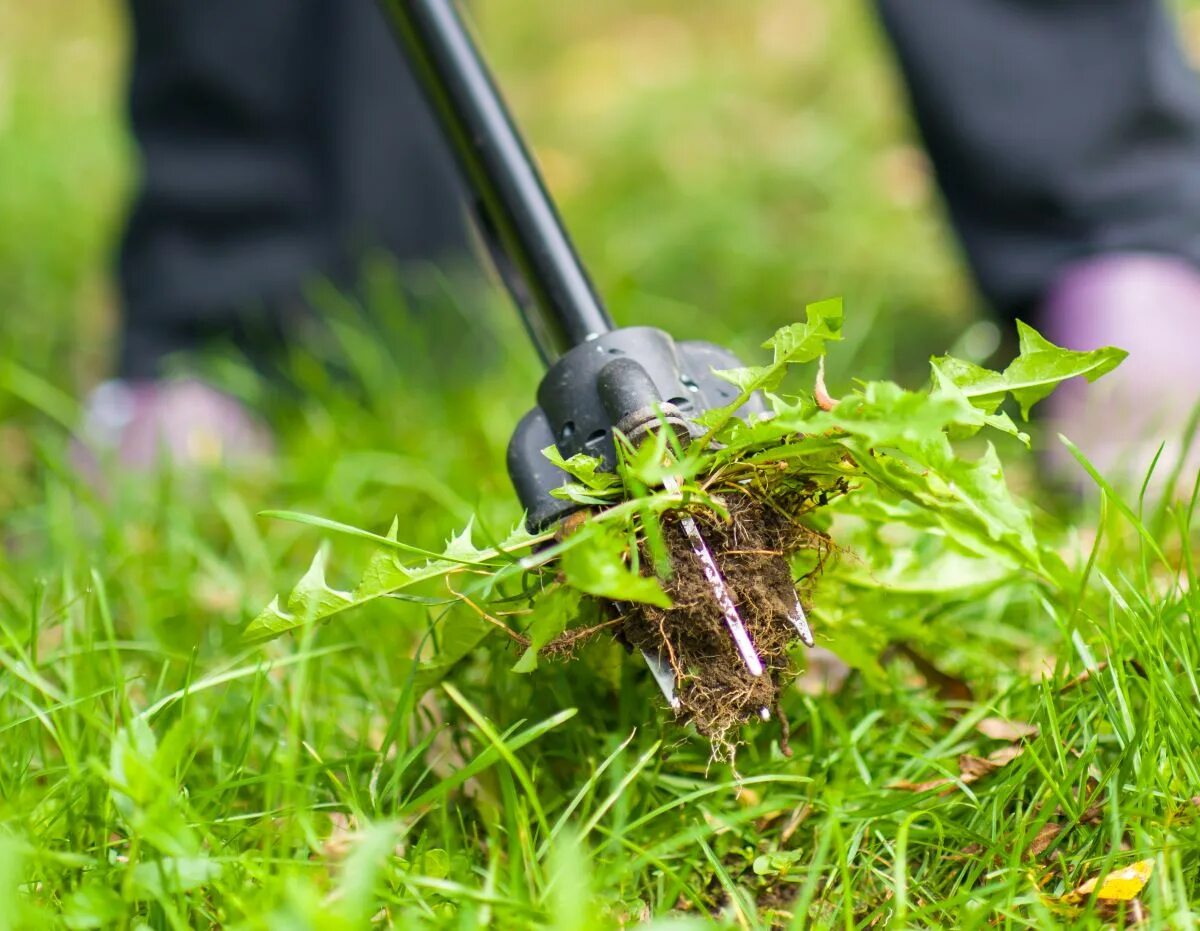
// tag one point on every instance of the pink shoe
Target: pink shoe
(1150, 306)
(184, 421)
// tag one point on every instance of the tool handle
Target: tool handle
(556, 298)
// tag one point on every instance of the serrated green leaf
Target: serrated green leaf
(597, 566)
(907, 570)
(980, 487)
(972, 416)
(461, 548)
(313, 597)
(587, 470)
(580, 494)
(749, 378)
(384, 575)
(1037, 370)
(799, 342)
(805, 342)
(886, 415)
(311, 600)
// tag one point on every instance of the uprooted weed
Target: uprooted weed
(753, 547)
(888, 459)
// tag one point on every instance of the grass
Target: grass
(158, 772)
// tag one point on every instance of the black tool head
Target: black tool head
(613, 382)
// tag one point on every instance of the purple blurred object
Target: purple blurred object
(1150, 306)
(184, 422)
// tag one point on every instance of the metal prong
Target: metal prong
(664, 676)
(800, 621)
(719, 588)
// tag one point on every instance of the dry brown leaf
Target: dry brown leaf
(945, 686)
(905, 786)
(1003, 729)
(1121, 885)
(1083, 676)
(1093, 814)
(793, 823)
(971, 769)
(975, 767)
(343, 833)
(1045, 837)
(969, 852)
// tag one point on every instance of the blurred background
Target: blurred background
(642, 116)
(718, 165)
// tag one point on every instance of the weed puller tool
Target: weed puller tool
(600, 379)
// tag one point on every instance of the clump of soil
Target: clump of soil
(716, 692)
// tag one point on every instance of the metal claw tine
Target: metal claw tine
(719, 588)
(663, 675)
(800, 621)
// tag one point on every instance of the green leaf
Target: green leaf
(799, 342)
(906, 570)
(143, 786)
(92, 906)
(979, 503)
(385, 574)
(805, 342)
(971, 417)
(434, 862)
(552, 612)
(597, 566)
(1038, 369)
(460, 548)
(311, 600)
(886, 415)
(312, 596)
(585, 469)
(131, 767)
(778, 863)
(749, 378)
(157, 879)
(460, 634)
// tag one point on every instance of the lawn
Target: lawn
(1004, 737)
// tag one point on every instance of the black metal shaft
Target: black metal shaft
(559, 303)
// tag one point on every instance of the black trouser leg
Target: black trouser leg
(279, 139)
(1058, 129)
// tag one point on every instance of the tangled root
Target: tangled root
(716, 692)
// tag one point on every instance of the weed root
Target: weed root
(716, 691)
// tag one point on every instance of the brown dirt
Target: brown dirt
(717, 694)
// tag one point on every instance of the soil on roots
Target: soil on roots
(716, 692)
